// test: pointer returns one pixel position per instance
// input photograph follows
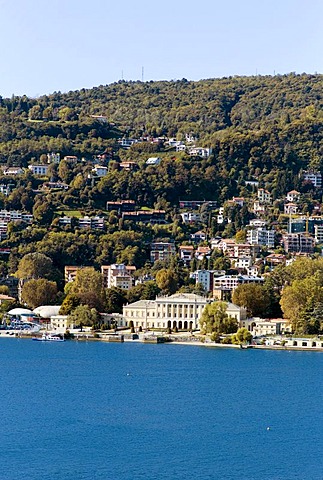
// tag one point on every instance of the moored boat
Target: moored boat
(46, 337)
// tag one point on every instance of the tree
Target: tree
(299, 299)
(216, 320)
(70, 302)
(34, 265)
(252, 297)
(88, 286)
(43, 212)
(242, 336)
(84, 315)
(38, 292)
(167, 281)
(115, 299)
(241, 236)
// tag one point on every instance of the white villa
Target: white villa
(181, 310)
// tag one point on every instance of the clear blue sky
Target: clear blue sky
(69, 44)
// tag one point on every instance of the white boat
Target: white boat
(48, 337)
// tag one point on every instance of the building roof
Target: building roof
(46, 311)
(19, 311)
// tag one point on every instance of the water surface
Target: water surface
(132, 411)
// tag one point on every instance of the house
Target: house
(275, 259)
(100, 171)
(181, 147)
(15, 216)
(256, 222)
(190, 217)
(202, 252)
(313, 177)
(186, 253)
(130, 165)
(61, 323)
(12, 171)
(162, 251)
(6, 298)
(6, 189)
(236, 201)
(199, 236)
(290, 208)
(214, 242)
(118, 275)
(258, 208)
(70, 272)
(71, 158)
(293, 196)
(242, 263)
(127, 142)
(318, 233)
(153, 161)
(264, 196)
(53, 157)
(55, 186)
(199, 152)
(39, 169)
(260, 326)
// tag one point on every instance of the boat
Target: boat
(46, 337)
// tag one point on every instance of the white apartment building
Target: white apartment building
(314, 177)
(230, 282)
(39, 169)
(261, 236)
(92, 222)
(15, 216)
(118, 275)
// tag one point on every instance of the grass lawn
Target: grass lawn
(69, 213)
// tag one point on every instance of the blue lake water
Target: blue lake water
(131, 411)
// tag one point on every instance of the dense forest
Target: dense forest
(253, 122)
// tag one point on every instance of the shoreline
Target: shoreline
(198, 343)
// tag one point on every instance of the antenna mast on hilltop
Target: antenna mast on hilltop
(142, 74)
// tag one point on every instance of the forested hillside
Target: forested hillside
(251, 122)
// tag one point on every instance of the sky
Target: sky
(63, 45)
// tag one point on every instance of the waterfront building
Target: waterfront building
(181, 310)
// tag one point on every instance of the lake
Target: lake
(94, 410)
